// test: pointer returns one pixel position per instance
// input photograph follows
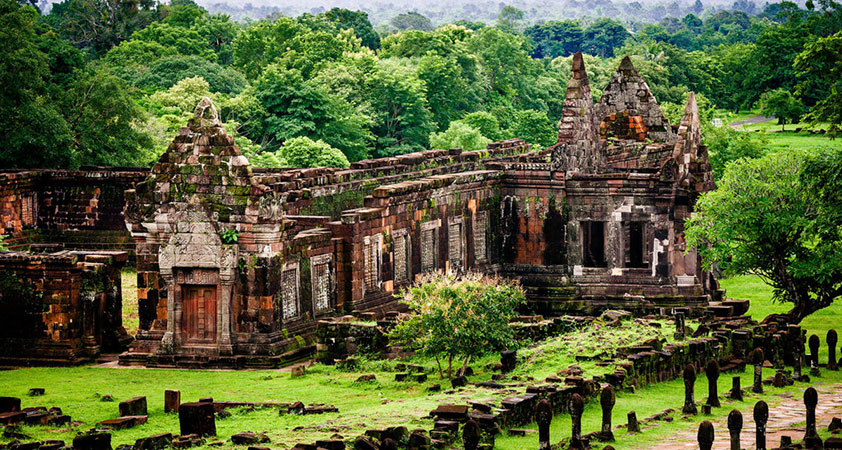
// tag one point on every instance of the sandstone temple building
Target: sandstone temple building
(236, 264)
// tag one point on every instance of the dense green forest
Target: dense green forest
(110, 81)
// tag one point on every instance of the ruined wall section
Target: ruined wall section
(60, 308)
(81, 209)
(443, 223)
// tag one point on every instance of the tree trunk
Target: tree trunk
(449, 366)
(438, 363)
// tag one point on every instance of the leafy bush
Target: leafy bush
(305, 152)
(458, 317)
(459, 135)
(726, 144)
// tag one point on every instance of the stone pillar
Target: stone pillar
(796, 358)
(577, 406)
(736, 390)
(777, 355)
(832, 339)
(712, 372)
(172, 400)
(679, 326)
(227, 278)
(544, 416)
(705, 435)
(761, 415)
(757, 359)
(735, 425)
(607, 400)
(689, 386)
(471, 435)
(633, 426)
(814, 344)
(811, 399)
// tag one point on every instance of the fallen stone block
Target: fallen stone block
(451, 412)
(155, 442)
(197, 418)
(133, 407)
(122, 423)
(92, 441)
(172, 400)
(11, 418)
(249, 438)
(36, 392)
(9, 404)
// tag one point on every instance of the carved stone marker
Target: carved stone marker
(689, 386)
(471, 435)
(679, 326)
(712, 372)
(757, 359)
(197, 418)
(508, 359)
(172, 400)
(133, 407)
(811, 399)
(92, 441)
(607, 400)
(577, 406)
(761, 415)
(736, 390)
(814, 344)
(798, 345)
(705, 435)
(543, 416)
(633, 426)
(832, 339)
(735, 426)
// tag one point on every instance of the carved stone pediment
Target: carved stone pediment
(198, 246)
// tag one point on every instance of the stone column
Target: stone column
(814, 344)
(227, 280)
(633, 426)
(736, 390)
(607, 400)
(471, 435)
(761, 415)
(577, 406)
(543, 416)
(735, 425)
(811, 399)
(757, 359)
(712, 372)
(832, 339)
(689, 386)
(796, 358)
(679, 326)
(705, 435)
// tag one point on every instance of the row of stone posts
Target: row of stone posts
(544, 416)
(761, 418)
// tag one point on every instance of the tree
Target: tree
(412, 21)
(458, 318)
(485, 122)
(305, 152)
(357, 21)
(820, 68)
(510, 19)
(603, 36)
(448, 92)
(504, 58)
(777, 217)
(167, 71)
(459, 135)
(534, 127)
(555, 38)
(726, 144)
(781, 104)
(293, 107)
(101, 24)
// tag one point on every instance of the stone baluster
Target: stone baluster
(712, 372)
(705, 435)
(761, 416)
(633, 426)
(577, 406)
(471, 435)
(736, 390)
(757, 359)
(689, 386)
(814, 344)
(832, 339)
(811, 400)
(544, 416)
(735, 426)
(607, 400)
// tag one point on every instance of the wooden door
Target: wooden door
(199, 317)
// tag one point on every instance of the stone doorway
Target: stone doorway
(199, 318)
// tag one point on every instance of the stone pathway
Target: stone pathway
(786, 418)
(750, 121)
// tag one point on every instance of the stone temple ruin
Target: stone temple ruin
(235, 265)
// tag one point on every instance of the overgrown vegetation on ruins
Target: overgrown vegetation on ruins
(115, 94)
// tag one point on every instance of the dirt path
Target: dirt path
(750, 121)
(785, 419)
